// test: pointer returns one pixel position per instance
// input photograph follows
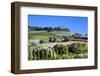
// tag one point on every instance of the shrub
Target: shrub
(30, 56)
(67, 56)
(76, 35)
(34, 43)
(60, 49)
(43, 41)
(85, 48)
(43, 53)
(71, 38)
(64, 39)
(58, 40)
(72, 48)
(78, 48)
(52, 39)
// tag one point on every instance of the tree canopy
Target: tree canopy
(48, 28)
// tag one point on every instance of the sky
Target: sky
(76, 24)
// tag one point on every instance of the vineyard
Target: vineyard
(62, 33)
(34, 35)
(58, 51)
(53, 45)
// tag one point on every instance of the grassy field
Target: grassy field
(62, 33)
(40, 35)
(44, 35)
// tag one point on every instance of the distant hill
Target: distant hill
(62, 33)
(35, 28)
(45, 35)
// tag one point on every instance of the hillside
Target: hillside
(35, 35)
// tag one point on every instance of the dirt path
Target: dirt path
(64, 43)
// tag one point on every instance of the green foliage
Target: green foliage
(67, 56)
(36, 28)
(38, 35)
(45, 35)
(30, 56)
(58, 40)
(71, 38)
(61, 33)
(60, 49)
(52, 39)
(43, 53)
(78, 48)
(43, 41)
(64, 39)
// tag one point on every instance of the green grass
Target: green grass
(44, 35)
(61, 33)
(40, 35)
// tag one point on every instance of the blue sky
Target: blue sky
(74, 23)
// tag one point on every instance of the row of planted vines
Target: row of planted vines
(58, 51)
